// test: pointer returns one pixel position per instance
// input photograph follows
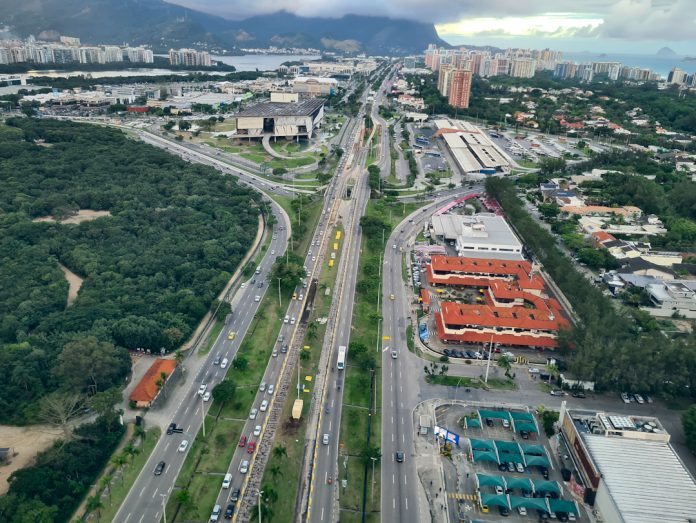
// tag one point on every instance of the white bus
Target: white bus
(341, 364)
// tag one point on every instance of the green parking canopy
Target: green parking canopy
(507, 447)
(537, 503)
(541, 485)
(494, 414)
(498, 500)
(472, 423)
(539, 461)
(561, 505)
(518, 483)
(481, 444)
(526, 425)
(485, 455)
(533, 450)
(488, 480)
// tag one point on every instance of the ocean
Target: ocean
(659, 64)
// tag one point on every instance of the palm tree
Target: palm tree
(118, 461)
(504, 363)
(179, 358)
(94, 504)
(140, 432)
(105, 484)
(269, 494)
(163, 377)
(131, 451)
(280, 451)
(275, 471)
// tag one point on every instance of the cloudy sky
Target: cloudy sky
(637, 26)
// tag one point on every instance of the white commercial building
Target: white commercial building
(483, 235)
(625, 467)
(471, 148)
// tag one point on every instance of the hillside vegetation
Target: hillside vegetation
(151, 269)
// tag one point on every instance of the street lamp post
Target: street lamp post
(280, 301)
(373, 479)
(260, 494)
(490, 353)
(203, 415)
(164, 507)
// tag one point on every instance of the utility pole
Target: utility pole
(490, 353)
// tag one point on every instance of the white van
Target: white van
(223, 363)
(287, 319)
(227, 481)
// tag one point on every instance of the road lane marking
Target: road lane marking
(141, 518)
(127, 518)
(155, 493)
(406, 500)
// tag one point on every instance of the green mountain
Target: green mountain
(162, 26)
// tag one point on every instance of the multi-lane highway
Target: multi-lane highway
(323, 493)
(149, 492)
(400, 391)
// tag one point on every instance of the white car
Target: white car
(522, 511)
(253, 413)
(625, 397)
(286, 319)
(325, 439)
(262, 386)
(244, 467)
(292, 320)
(264, 405)
(257, 430)
(183, 446)
(394, 354)
(243, 285)
(272, 253)
(271, 389)
(639, 398)
(206, 396)
(223, 363)
(202, 389)
(257, 299)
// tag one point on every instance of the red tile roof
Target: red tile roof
(485, 337)
(146, 390)
(602, 236)
(456, 316)
(472, 272)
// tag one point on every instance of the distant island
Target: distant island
(666, 52)
(689, 59)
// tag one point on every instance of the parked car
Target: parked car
(639, 398)
(522, 511)
(504, 511)
(524, 434)
(489, 422)
(511, 466)
(499, 490)
(556, 392)
(579, 394)
(519, 467)
(624, 398)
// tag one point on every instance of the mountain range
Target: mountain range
(163, 26)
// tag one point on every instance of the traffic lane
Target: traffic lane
(211, 375)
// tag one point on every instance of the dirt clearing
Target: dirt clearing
(26, 443)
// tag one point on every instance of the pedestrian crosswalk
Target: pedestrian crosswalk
(461, 495)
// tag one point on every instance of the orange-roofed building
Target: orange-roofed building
(146, 390)
(515, 311)
(600, 237)
(425, 300)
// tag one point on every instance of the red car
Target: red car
(242, 441)
(251, 448)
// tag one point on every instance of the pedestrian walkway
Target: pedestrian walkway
(460, 495)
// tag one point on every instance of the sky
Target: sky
(611, 26)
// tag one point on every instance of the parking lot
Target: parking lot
(496, 464)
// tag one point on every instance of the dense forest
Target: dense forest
(618, 352)
(151, 269)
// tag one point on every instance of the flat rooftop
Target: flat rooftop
(481, 228)
(275, 109)
(646, 479)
